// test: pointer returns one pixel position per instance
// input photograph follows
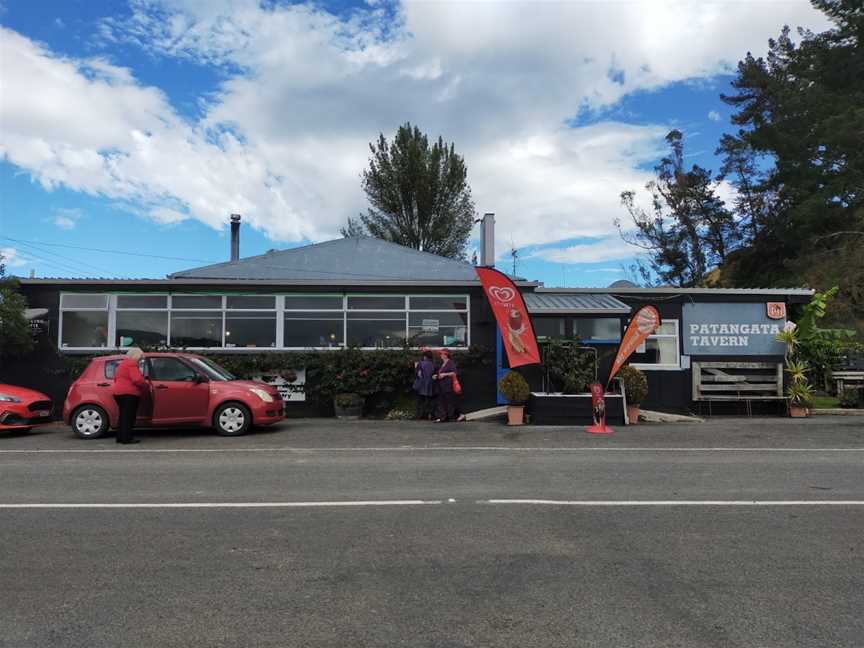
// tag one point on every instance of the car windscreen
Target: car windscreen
(212, 370)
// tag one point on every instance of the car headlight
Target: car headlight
(9, 398)
(263, 395)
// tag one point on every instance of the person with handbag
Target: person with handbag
(449, 388)
(424, 385)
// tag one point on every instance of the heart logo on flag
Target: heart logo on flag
(502, 294)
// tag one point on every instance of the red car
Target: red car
(185, 390)
(22, 408)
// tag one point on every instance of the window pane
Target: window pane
(250, 330)
(376, 329)
(667, 328)
(434, 320)
(597, 328)
(252, 301)
(85, 329)
(443, 336)
(142, 301)
(313, 302)
(171, 369)
(370, 303)
(137, 328)
(310, 329)
(84, 301)
(657, 351)
(438, 303)
(196, 329)
(111, 367)
(196, 301)
(548, 327)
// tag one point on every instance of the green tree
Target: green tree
(419, 195)
(15, 337)
(688, 231)
(797, 160)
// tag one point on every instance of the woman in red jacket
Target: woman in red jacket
(129, 385)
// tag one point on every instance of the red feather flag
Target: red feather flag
(512, 317)
(644, 323)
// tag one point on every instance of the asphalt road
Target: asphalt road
(734, 533)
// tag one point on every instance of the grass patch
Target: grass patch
(825, 402)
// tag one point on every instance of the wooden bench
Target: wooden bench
(742, 382)
(842, 379)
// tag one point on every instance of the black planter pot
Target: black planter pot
(353, 410)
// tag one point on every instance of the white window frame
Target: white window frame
(108, 309)
(677, 338)
(282, 303)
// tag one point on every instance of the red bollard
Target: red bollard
(598, 410)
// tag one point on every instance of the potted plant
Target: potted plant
(800, 392)
(348, 405)
(515, 389)
(635, 390)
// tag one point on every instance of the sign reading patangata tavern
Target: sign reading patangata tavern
(730, 329)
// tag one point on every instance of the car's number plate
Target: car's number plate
(41, 413)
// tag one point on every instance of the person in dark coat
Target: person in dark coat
(129, 386)
(424, 386)
(444, 381)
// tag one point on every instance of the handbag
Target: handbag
(457, 386)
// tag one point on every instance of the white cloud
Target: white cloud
(713, 115)
(284, 138)
(609, 248)
(66, 218)
(10, 258)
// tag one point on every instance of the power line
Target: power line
(89, 267)
(124, 253)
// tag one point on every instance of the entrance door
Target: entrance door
(179, 396)
(502, 365)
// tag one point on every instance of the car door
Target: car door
(145, 405)
(179, 395)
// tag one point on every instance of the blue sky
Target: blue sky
(138, 127)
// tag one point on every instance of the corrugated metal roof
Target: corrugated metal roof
(587, 303)
(670, 290)
(346, 259)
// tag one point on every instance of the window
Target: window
(196, 329)
(437, 329)
(660, 351)
(459, 303)
(378, 329)
(314, 329)
(597, 329)
(196, 301)
(362, 302)
(142, 320)
(313, 302)
(171, 369)
(549, 327)
(247, 323)
(83, 320)
(111, 367)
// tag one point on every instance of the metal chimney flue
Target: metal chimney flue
(487, 240)
(235, 237)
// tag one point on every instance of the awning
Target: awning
(574, 304)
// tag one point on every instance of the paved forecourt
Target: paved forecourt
(318, 534)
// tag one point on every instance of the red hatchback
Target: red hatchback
(22, 408)
(185, 389)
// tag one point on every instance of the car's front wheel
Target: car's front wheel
(90, 422)
(232, 419)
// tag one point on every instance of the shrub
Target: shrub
(348, 400)
(515, 388)
(851, 398)
(635, 384)
(571, 369)
(800, 394)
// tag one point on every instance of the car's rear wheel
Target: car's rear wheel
(232, 419)
(90, 422)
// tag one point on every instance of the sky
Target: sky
(131, 129)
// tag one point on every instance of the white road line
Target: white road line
(543, 502)
(415, 449)
(184, 505)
